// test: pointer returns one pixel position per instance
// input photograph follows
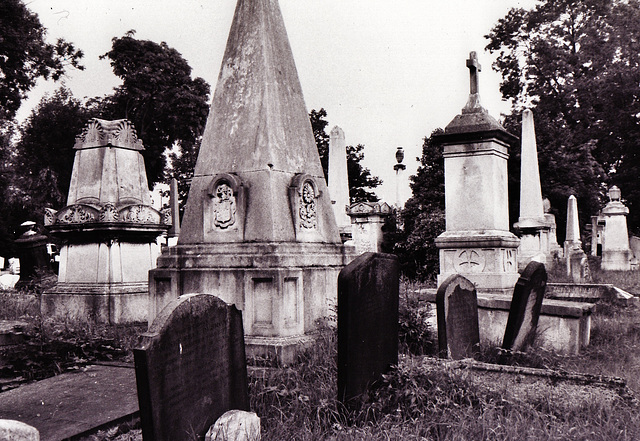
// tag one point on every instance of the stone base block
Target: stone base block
(282, 289)
(563, 327)
(489, 259)
(616, 260)
(283, 349)
(125, 303)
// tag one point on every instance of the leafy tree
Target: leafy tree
(25, 56)
(360, 178)
(319, 125)
(44, 154)
(576, 63)
(167, 107)
(423, 215)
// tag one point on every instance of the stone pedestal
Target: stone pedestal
(367, 220)
(108, 230)
(616, 254)
(477, 243)
(258, 230)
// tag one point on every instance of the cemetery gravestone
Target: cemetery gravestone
(457, 313)
(190, 368)
(525, 307)
(367, 322)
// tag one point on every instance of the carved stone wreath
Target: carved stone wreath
(308, 212)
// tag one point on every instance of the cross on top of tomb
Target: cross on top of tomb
(473, 104)
(474, 67)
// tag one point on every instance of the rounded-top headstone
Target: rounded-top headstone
(525, 307)
(457, 311)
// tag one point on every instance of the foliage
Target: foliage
(319, 125)
(423, 215)
(45, 151)
(576, 63)
(166, 106)
(360, 178)
(25, 56)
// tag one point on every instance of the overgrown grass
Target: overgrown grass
(419, 400)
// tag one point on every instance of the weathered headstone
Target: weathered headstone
(367, 322)
(190, 368)
(457, 312)
(525, 308)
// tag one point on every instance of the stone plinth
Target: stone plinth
(338, 180)
(258, 229)
(477, 243)
(108, 229)
(367, 220)
(616, 254)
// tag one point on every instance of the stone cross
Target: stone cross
(474, 68)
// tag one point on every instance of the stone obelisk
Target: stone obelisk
(477, 242)
(258, 229)
(339, 180)
(532, 226)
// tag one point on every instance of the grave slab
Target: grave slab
(70, 404)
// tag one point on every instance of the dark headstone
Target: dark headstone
(190, 368)
(525, 307)
(457, 311)
(368, 290)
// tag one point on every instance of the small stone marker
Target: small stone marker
(235, 425)
(457, 311)
(525, 308)
(11, 430)
(190, 368)
(368, 290)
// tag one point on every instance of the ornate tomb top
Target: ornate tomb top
(103, 133)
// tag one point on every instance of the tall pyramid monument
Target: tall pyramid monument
(258, 229)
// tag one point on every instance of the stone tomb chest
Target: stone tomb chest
(108, 229)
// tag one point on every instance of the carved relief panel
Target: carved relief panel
(224, 207)
(304, 200)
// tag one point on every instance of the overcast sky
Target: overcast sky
(387, 72)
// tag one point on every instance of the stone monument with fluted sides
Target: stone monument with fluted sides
(108, 229)
(477, 242)
(258, 229)
(616, 254)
